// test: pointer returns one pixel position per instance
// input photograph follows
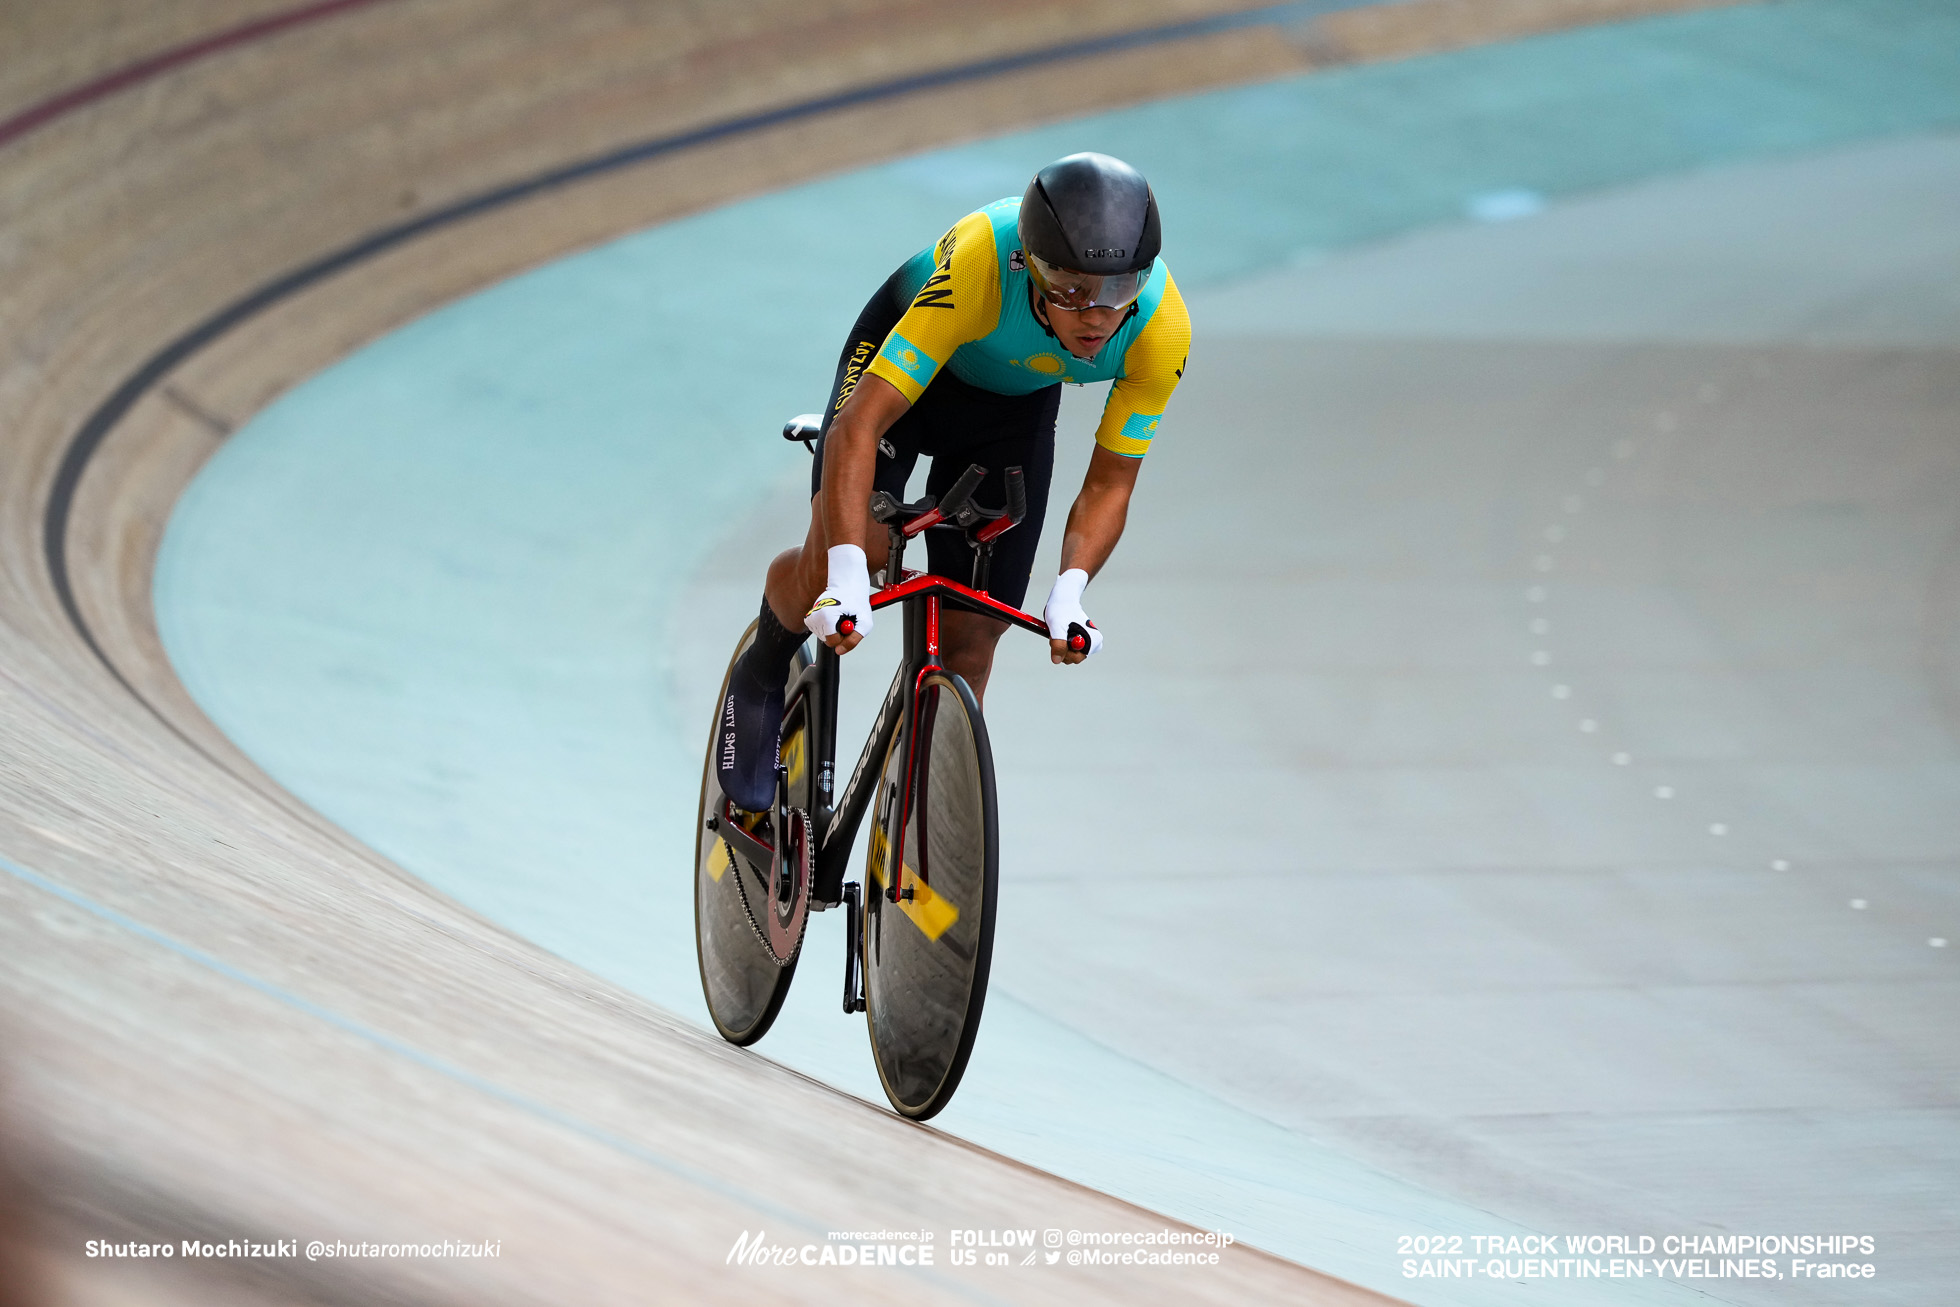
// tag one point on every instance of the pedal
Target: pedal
(853, 936)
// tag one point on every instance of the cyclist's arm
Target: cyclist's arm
(1095, 522)
(1152, 368)
(850, 456)
(959, 301)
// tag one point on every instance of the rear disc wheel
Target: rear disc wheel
(742, 977)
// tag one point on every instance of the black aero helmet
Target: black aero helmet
(1090, 232)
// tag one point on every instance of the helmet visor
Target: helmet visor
(1066, 288)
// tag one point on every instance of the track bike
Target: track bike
(920, 929)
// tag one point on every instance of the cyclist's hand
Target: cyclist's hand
(842, 614)
(1072, 637)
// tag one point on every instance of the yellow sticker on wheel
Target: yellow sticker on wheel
(931, 913)
(718, 860)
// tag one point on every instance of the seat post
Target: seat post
(983, 564)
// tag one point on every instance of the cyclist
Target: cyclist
(961, 356)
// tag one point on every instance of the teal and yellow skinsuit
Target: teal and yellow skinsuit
(954, 330)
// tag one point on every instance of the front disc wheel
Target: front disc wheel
(926, 956)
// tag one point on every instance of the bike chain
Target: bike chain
(761, 933)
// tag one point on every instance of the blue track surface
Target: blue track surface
(432, 590)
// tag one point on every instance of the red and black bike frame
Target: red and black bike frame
(837, 815)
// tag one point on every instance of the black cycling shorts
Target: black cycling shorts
(956, 424)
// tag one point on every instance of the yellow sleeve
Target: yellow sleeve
(1151, 370)
(959, 302)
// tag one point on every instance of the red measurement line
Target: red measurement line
(48, 110)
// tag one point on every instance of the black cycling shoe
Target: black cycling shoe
(751, 736)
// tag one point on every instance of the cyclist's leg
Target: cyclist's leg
(997, 432)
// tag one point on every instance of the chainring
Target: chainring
(779, 926)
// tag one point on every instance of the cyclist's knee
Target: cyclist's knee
(797, 576)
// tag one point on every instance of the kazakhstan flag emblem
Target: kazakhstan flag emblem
(909, 359)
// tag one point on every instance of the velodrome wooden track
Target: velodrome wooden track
(224, 1018)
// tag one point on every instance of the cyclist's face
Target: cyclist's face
(1082, 331)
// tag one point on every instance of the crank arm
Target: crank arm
(756, 851)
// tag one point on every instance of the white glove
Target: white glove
(1065, 606)
(848, 594)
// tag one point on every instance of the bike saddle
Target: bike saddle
(804, 427)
